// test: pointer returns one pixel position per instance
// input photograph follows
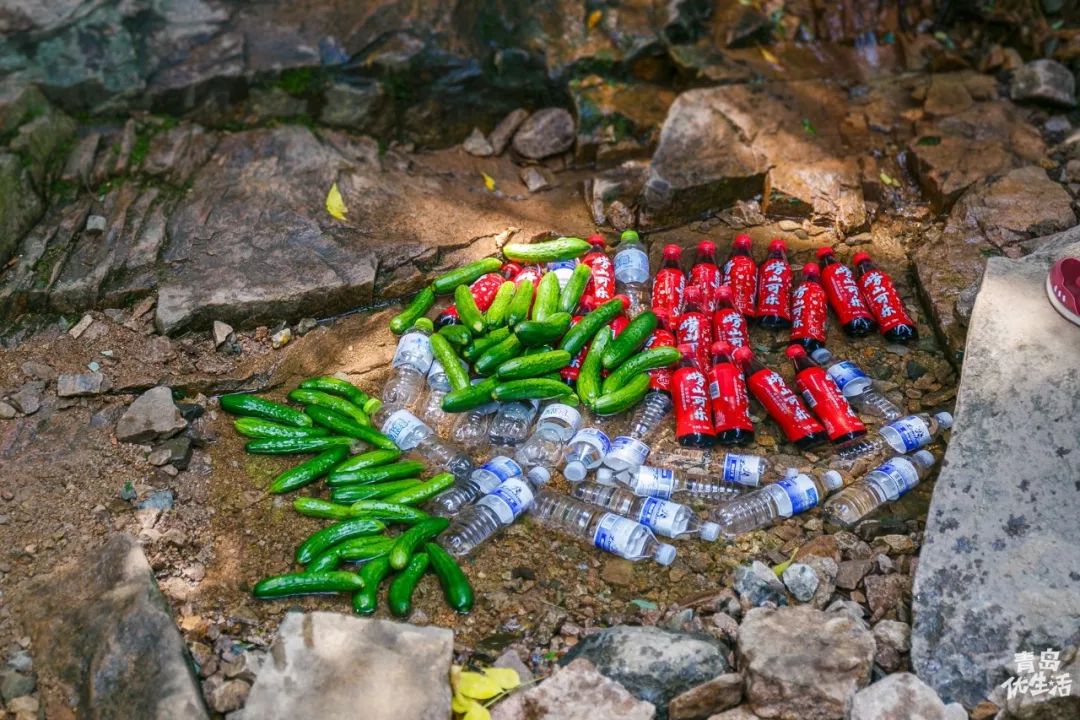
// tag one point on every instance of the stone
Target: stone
(477, 144)
(708, 698)
(946, 95)
(893, 642)
(306, 325)
(157, 500)
(153, 416)
(989, 583)
(617, 571)
(821, 546)
(512, 661)
(803, 663)
(38, 371)
(739, 713)
(222, 333)
(28, 398)
(757, 583)
(801, 580)
(177, 451)
(312, 670)
(502, 134)
(546, 132)
(6, 411)
(901, 696)
(1044, 80)
(158, 457)
(886, 593)
(105, 642)
(20, 205)
(352, 106)
(14, 684)
(24, 708)
(535, 179)
(617, 120)
(80, 385)
(655, 665)
(851, 572)
(80, 327)
(574, 692)
(225, 695)
(281, 338)
(96, 224)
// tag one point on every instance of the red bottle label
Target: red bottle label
(884, 302)
(571, 371)
(707, 276)
(667, 290)
(740, 272)
(618, 325)
(828, 403)
(774, 289)
(531, 272)
(783, 405)
(601, 283)
(483, 291)
(809, 312)
(730, 402)
(693, 328)
(730, 325)
(660, 378)
(690, 397)
(844, 293)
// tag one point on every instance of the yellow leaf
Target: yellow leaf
(489, 182)
(475, 685)
(460, 704)
(887, 179)
(769, 57)
(335, 204)
(506, 678)
(594, 18)
(477, 711)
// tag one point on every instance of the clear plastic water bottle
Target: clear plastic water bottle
(564, 270)
(883, 484)
(585, 452)
(606, 530)
(481, 481)
(544, 448)
(438, 385)
(856, 386)
(899, 437)
(471, 429)
(794, 494)
(511, 423)
(411, 364)
(411, 434)
(632, 449)
(648, 481)
(632, 272)
(494, 511)
(664, 517)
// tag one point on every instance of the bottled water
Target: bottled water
(510, 426)
(481, 481)
(856, 386)
(438, 385)
(564, 270)
(587, 449)
(881, 485)
(411, 364)
(471, 429)
(632, 449)
(606, 530)
(648, 481)
(632, 272)
(411, 434)
(497, 509)
(664, 517)
(544, 448)
(794, 494)
(896, 438)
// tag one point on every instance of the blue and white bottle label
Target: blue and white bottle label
(895, 477)
(631, 451)
(793, 495)
(845, 372)
(402, 426)
(613, 533)
(910, 432)
(509, 500)
(743, 469)
(655, 482)
(414, 350)
(596, 438)
(631, 265)
(564, 413)
(659, 515)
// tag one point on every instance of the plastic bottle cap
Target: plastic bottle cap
(742, 241)
(596, 239)
(777, 244)
(721, 347)
(832, 479)
(706, 247)
(710, 531)
(925, 458)
(605, 475)
(629, 236)
(424, 324)
(824, 252)
(743, 354)
(821, 356)
(540, 475)
(575, 471)
(945, 420)
(810, 269)
(665, 554)
(860, 257)
(672, 251)
(795, 350)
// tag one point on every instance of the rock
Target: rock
(28, 398)
(352, 106)
(757, 583)
(80, 327)
(6, 411)
(1044, 80)
(535, 179)
(988, 584)
(158, 457)
(511, 660)
(617, 120)
(105, 642)
(226, 695)
(81, 385)
(24, 708)
(947, 95)
(96, 224)
(153, 416)
(898, 697)
(157, 500)
(477, 144)
(14, 684)
(655, 665)
(504, 131)
(851, 572)
(893, 642)
(574, 692)
(281, 338)
(801, 581)
(177, 451)
(312, 670)
(803, 663)
(222, 333)
(886, 593)
(546, 132)
(617, 571)
(20, 205)
(708, 698)
(739, 713)
(38, 371)
(306, 325)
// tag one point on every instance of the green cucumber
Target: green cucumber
(387, 511)
(531, 366)
(325, 561)
(547, 297)
(521, 304)
(407, 542)
(258, 428)
(495, 356)
(456, 587)
(362, 548)
(365, 601)
(575, 287)
(402, 587)
(531, 389)
(317, 398)
(319, 508)
(345, 426)
(319, 541)
(648, 360)
(348, 494)
(447, 282)
(485, 343)
(468, 398)
(422, 492)
(372, 458)
(543, 332)
(252, 406)
(577, 337)
(365, 476)
(624, 398)
(564, 248)
(588, 380)
(419, 305)
(456, 375)
(500, 306)
(308, 472)
(630, 340)
(468, 313)
(294, 446)
(337, 386)
(456, 334)
(306, 584)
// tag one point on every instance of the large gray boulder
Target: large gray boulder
(902, 696)
(153, 416)
(574, 692)
(1044, 80)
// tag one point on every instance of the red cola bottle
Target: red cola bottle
(774, 288)
(570, 373)
(728, 323)
(730, 401)
(705, 273)
(855, 318)
(693, 328)
(660, 378)
(601, 285)
(483, 291)
(809, 310)
(689, 392)
(824, 397)
(670, 282)
(880, 294)
(783, 405)
(740, 274)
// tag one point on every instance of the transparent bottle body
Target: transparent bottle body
(874, 403)
(476, 524)
(432, 412)
(403, 388)
(412, 435)
(480, 481)
(510, 426)
(608, 531)
(646, 481)
(765, 506)
(585, 452)
(632, 277)
(545, 446)
(471, 427)
(857, 386)
(632, 449)
(900, 436)
(497, 509)
(880, 486)
(663, 517)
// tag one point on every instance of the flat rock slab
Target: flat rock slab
(574, 692)
(995, 576)
(327, 665)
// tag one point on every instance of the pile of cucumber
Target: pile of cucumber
(373, 498)
(519, 345)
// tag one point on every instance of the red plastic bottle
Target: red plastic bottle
(483, 291)
(660, 378)
(824, 398)
(693, 328)
(730, 401)
(689, 392)
(783, 405)
(774, 288)
(740, 274)
(728, 323)
(601, 285)
(670, 282)
(880, 294)
(705, 273)
(855, 318)
(570, 372)
(809, 310)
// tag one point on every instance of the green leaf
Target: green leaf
(550, 656)
(779, 569)
(644, 604)
(929, 140)
(808, 127)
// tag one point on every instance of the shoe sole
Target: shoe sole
(1062, 310)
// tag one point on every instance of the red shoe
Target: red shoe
(1063, 288)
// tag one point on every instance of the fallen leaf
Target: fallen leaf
(779, 569)
(930, 140)
(460, 704)
(887, 179)
(769, 57)
(644, 604)
(478, 686)
(506, 678)
(335, 204)
(489, 182)
(808, 127)
(594, 18)
(477, 711)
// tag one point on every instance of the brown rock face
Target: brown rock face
(574, 692)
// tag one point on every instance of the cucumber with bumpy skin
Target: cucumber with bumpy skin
(456, 334)
(349, 494)
(468, 313)
(252, 406)
(365, 601)
(494, 357)
(372, 458)
(408, 541)
(575, 287)
(456, 587)
(589, 325)
(530, 366)
(387, 511)
(307, 584)
(630, 340)
(319, 508)
(259, 428)
(650, 359)
(547, 297)
(332, 535)
(485, 343)
(345, 426)
(402, 587)
(424, 491)
(543, 332)
(564, 248)
(337, 386)
(531, 389)
(317, 398)
(624, 398)
(521, 304)
(456, 375)
(419, 305)
(500, 306)
(447, 282)
(294, 446)
(468, 398)
(588, 381)
(397, 471)
(308, 472)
